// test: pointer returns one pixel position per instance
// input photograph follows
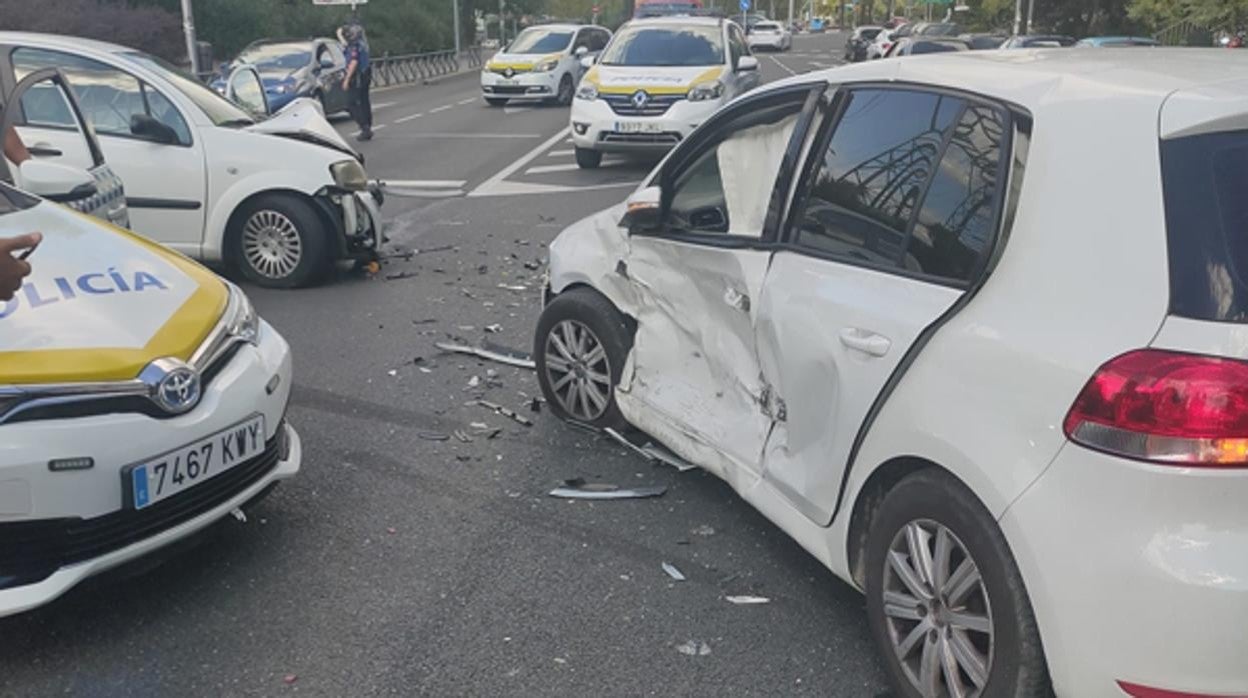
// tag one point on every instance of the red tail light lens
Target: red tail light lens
(1138, 691)
(1166, 407)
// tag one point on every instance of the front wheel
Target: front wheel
(587, 159)
(945, 600)
(279, 241)
(580, 347)
(566, 91)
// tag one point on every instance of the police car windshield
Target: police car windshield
(220, 110)
(536, 40)
(287, 57)
(666, 46)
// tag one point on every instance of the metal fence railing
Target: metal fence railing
(1186, 33)
(418, 67)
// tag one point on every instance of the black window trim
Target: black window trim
(836, 111)
(692, 148)
(9, 82)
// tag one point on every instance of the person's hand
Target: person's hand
(12, 269)
(346, 84)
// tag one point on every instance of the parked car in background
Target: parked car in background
(836, 311)
(1116, 41)
(143, 400)
(543, 63)
(882, 44)
(1039, 41)
(289, 70)
(771, 36)
(918, 45)
(938, 29)
(856, 45)
(817, 26)
(657, 80)
(280, 199)
(984, 42)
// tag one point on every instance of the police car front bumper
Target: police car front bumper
(527, 85)
(59, 526)
(596, 126)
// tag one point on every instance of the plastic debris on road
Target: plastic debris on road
(747, 600)
(694, 648)
(651, 452)
(433, 436)
(503, 411)
(579, 489)
(672, 572)
(499, 354)
(240, 515)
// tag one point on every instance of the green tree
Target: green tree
(1214, 14)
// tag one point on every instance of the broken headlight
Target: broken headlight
(349, 175)
(242, 321)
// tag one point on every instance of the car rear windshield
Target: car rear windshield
(540, 41)
(1205, 182)
(871, 33)
(290, 56)
(666, 46)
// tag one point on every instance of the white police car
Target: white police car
(141, 399)
(543, 63)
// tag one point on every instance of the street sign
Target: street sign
(745, 5)
(339, 2)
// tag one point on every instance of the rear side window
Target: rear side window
(1205, 183)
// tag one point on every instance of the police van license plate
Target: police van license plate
(505, 81)
(170, 474)
(638, 127)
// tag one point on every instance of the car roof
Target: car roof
(559, 25)
(1208, 84)
(679, 20)
(73, 42)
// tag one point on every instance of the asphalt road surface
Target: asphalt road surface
(395, 564)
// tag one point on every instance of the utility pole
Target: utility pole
(1018, 17)
(455, 9)
(790, 26)
(502, 26)
(188, 27)
(1031, 8)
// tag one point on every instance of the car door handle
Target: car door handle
(44, 150)
(865, 341)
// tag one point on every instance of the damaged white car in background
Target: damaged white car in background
(280, 198)
(962, 381)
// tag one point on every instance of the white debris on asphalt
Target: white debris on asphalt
(672, 572)
(694, 648)
(747, 600)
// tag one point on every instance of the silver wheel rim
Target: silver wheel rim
(937, 612)
(271, 244)
(578, 370)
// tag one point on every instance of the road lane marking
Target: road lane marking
(426, 183)
(817, 64)
(525, 159)
(560, 153)
(443, 134)
(470, 100)
(545, 169)
(444, 107)
(383, 105)
(525, 188)
(516, 110)
(777, 62)
(407, 118)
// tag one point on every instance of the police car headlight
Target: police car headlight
(243, 321)
(546, 66)
(349, 175)
(587, 92)
(707, 90)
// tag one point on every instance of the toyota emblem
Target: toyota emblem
(640, 98)
(173, 385)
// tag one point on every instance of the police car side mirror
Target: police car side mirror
(747, 64)
(55, 182)
(644, 213)
(581, 51)
(587, 62)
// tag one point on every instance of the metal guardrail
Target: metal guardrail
(418, 67)
(1186, 33)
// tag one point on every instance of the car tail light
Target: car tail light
(1137, 691)
(884, 47)
(1166, 407)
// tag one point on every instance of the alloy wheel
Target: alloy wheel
(271, 244)
(937, 612)
(578, 370)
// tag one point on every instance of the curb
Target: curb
(451, 77)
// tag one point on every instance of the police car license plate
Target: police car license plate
(505, 81)
(638, 127)
(175, 472)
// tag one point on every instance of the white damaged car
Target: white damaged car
(657, 80)
(976, 341)
(141, 400)
(280, 199)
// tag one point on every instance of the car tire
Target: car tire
(588, 159)
(1009, 658)
(279, 241)
(495, 101)
(566, 91)
(580, 347)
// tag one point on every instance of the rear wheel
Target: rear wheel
(495, 101)
(588, 159)
(566, 90)
(945, 600)
(279, 241)
(580, 347)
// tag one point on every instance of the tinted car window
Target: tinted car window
(921, 47)
(540, 41)
(666, 46)
(958, 216)
(873, 173)
(870, 34)
(1204, 179)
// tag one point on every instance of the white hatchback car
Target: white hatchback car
(542, 63)
(771, 36)
(977, 341)
(280, 199)
(656, 81)
(141, 400)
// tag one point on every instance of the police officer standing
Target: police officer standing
(359, 79)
